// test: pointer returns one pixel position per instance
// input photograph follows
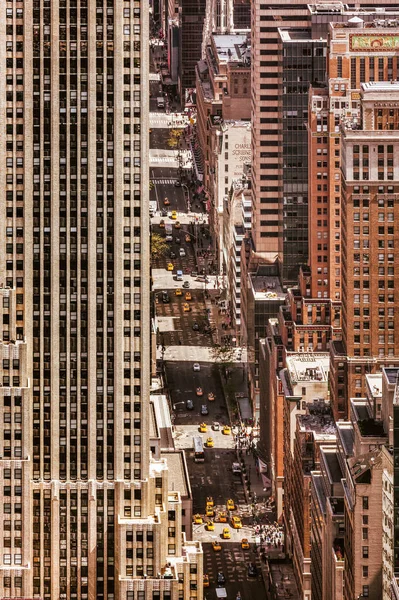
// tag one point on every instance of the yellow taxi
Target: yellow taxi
(188, 296)
(236, 523)
(209, 501)
(226, 535)
(244, 544)
(203, 428)
(230, 504)
(186, 307)
(217, 546)
(170, 267)
(173, 215)
(177, 225)
(210, 513)
(211, 396)
(210, 443)
(205, 580)
(226, 430)
(188, 238)
(223, 517)
(162, 224)
(166, 202)
(178, 292)
(197, 519)
(210, 525)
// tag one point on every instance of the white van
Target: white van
(160, 102)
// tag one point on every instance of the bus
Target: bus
(199, 455)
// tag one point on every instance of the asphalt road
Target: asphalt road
(214, 477)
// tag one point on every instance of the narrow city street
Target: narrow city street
(185, 338)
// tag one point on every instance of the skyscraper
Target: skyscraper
(273, 227)
(87, 511)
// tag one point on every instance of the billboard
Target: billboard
(373, 42)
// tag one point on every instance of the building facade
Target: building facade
(369, 172)
(89, 513)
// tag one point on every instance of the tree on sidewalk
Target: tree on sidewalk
(223, 355)
(174, 138)
(158, 245)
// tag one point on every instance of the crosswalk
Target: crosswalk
(163, 181)
(167, 122)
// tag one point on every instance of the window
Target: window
(365, 499)
(365, 571)
(365, 551)
(366, 591)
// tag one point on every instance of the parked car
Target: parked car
(186, 285)
(196, 367)
(189, 404)
(204, 410)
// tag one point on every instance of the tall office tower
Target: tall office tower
(351, 60)
(86, 510)
(269, 237)
(370, 171)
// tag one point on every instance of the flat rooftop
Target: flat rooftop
(322, 426)
(346, 435)
(163, 424)
(291, 35)
(230, 48)
(304, 366)
(332, 465)
(392, 374)
(267, 287)
(294, 36)
(177, 473)
(374, 384)
(381, 86)
(318, 485)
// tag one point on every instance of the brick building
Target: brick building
(369, 243)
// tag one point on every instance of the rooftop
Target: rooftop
(322, 426)
(163, 425)
(232, 48)
(361, 466)
(267, 287)
(318, 485)
(332, 465)
(177, 473)
(392, 374)
(346, 436)
(294, 36)
(374, 384)
(368, 426)
(380, 86)
(380, 22)
(308, 366)
(337, 505)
